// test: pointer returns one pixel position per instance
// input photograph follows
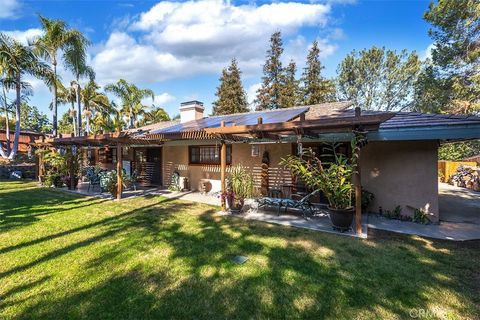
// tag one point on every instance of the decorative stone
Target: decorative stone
(240, 259)
(16, 175)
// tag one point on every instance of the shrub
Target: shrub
(108, 181)
(420, 216)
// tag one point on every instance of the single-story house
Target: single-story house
(398, 164)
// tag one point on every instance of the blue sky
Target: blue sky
(178, 49)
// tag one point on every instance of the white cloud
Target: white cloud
(159, 100)
(175, 39)
(252, 92)
(427, 54)
(24, 35)
(9, 8)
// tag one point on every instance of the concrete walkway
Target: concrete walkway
(193, 196)
(458, 204)
(445, 230)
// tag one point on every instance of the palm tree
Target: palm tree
(56, 37)
(95, 103)
(17, 60)
(158, 114)
(5, 83)
(67, 95)
(131, 97)
(75, 61)
(117, 121)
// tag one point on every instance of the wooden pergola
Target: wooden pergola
(271, 132)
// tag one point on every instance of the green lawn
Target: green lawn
(65, 256)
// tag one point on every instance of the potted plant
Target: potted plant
(54, 179)
(333, 178)
(66, 181)
(108, 181)
(239, 188)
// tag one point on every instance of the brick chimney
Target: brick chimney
(191, 110)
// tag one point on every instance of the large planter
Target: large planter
(234, 205)
(341, 218)
(66, 180)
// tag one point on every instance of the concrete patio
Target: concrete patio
(193, 196)
(320, 221)
(457, 231)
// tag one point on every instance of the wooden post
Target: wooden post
(40, 167)
(119, 172)
(358, 197)
(358, 186)
(71, 171)
(223, 168)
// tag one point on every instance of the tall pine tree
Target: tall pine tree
(315, 88)
(290, 90)
(268, 96)
(231, 97)
(455, 65)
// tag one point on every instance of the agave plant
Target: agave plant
(239, 187)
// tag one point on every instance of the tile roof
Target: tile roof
(415, 119)
(327, 109)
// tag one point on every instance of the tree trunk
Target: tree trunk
(74, 119)
(79, 107)
(87, 117)
(13, 153)
(4, 154)
(54, 122)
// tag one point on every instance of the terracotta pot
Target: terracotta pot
(235, 205)
(341, 218)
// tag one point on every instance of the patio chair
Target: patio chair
(303, 204)
(273, 199)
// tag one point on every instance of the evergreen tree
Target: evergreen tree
(33, 119)
(455, 57)
(269, 94)
(379, 79)
(315, 88)
(290, 90)
(231, 97)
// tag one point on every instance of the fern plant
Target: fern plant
(333, 178)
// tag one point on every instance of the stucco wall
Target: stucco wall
(402, 173)
(175, 158)
(398, 173)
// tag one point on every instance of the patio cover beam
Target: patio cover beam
(323, 124)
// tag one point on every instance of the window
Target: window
(208, 154)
